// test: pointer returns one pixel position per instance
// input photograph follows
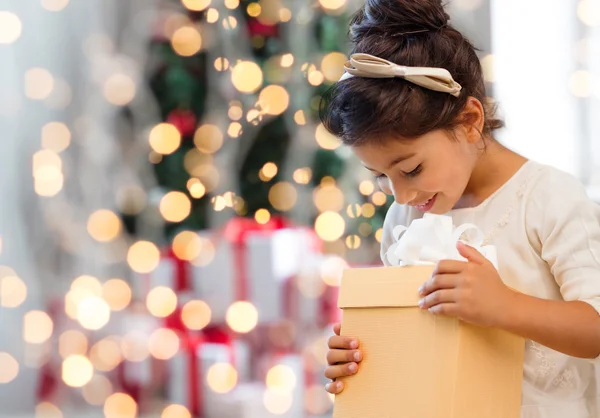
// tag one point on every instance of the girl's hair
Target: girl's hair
(412, 33)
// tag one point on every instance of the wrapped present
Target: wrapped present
(380, 308)
(189, 378)
(285, 377)
(171, 272)
(253, 262)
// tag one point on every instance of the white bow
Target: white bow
(433, 238)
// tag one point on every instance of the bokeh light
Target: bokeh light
(120, 405)
(175, 206)
(56, 136)
(283, 196)
(274, 100)
(72, 342)
(222, 378)
(163, 344)
(277, 402)
(281, 378)
(242, 317)
(77, 371)
(187, 41)
(10, 27)
(247, 76)
(175, 411)
(97, 390)
(208, 138)
(119, 89)
(330, 226)
(47, 410)
(164, 138)
(13, 290)
(37, 327)
(93, 313)
(143, 257)
(9, 368)
(196, 314)
(38, 83)
(161, 301)
(104, 225)
(325, 139)
(106, 354)
(54, 5)
(117, 293)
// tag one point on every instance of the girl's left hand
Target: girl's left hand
(471, 291)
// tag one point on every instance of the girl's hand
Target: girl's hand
(471, 291)
(343, 358)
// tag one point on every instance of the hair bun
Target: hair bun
(398, 16)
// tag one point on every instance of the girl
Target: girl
(412, 108)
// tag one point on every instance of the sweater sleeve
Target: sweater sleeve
(565, 224)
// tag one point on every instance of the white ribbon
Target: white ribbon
(433, 238)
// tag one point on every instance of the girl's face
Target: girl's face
(430, 172)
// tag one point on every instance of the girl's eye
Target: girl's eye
(415, 172)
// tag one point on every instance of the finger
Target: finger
(334, 387)
(346, 343)
(449, 267)
(438, 297)
(337, 328)
(437, 282)
(343, 356)
(446, 309)
(341, 370)
(470, 253)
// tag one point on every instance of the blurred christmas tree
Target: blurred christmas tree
(188, 51)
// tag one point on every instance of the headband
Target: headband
(369, 66)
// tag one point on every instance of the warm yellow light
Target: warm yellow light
(487, 65)
(196, 315)
(328, 198)
(97, 391)
(163, 344)
(368, 210)
(165, 138)
(268, 171)
(254, 9)
(143, 257)
(234, 130)
(588, 12)
(104, 225)
(187, 245)
(332, 66)
(262, 216)
(283, 196)
(77, 371)
(196, 5)
(332, 4)
(232, 4)
(71, 343)
(37, 327)
(120, 405)
(299, 118)
(221, 377)
(161, 301)
(366, 187)
(56, 136)
(247, 76)
(93, 313)
(221, 64)
(379, 234)
(281, 378)
(39, 83)
(186, 41)
(331, 270)
(175, 206)
(9, 368)
(317, 401)
(285, 14)
(119, 89)
(208, 138)
(54, 5)
(580, 83)
(274, 100)
(379, 198)
(176, 411)
(316, 78)
(330, 226)
(10, 27)
(242, 317)
(353, 242)
(302, 175)
(325, 139)
(47, 410)
(196, 188)
(212, 15)
(117, 294)
(13, 291)
(277, 402)
(89, 283)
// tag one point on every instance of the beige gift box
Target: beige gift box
(416, 364)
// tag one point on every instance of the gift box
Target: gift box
(188, 383)
(417, 364)
(171, 272)
(253, 262)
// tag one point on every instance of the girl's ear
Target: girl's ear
(473, 119)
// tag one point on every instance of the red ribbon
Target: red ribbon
(236, 232)
(195, 378)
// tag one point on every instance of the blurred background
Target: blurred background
(175, 220)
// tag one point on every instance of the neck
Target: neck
(496, 165)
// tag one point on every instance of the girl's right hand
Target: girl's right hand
(343, 358)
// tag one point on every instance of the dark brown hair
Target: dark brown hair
(412, 33)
